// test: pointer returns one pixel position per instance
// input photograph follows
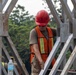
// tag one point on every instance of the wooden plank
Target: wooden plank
(61, 55)
(69, 62)
(50, 57)
(16, 55)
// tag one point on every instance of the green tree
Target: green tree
(19, 16)
(20, 24)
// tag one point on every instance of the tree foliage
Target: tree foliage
(20, 24)
(19, 16)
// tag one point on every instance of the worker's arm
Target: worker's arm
(38, 55)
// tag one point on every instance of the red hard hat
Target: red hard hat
(42, 18)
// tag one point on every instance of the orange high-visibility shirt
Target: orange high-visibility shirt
(45, 45)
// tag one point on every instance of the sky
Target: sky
(33, 6)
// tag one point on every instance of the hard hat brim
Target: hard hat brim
(41, 24)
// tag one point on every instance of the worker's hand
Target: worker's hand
(42, 65)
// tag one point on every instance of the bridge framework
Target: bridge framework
(66, 40)
(5, 36)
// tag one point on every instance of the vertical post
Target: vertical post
(74, 30)
(1, 24)
(0, 55)
(63, 13)
(1, 31)
(64, 32)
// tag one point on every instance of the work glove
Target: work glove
(42, 65)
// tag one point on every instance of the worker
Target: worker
(41, 42)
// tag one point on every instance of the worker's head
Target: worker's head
(42, 18)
